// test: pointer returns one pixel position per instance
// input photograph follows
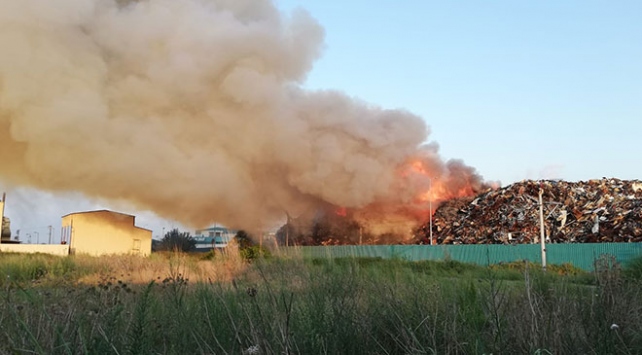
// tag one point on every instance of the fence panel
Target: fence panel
(580, 255)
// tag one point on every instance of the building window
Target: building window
(136, 248)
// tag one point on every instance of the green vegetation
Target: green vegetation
(20, 268)
(633, 269)
(290, 305)
(248, 249)
(175, 240)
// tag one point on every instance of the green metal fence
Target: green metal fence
(580, 255)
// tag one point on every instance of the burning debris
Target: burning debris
(422, 183)
(332, 227)
(606, 210)
(322, 228)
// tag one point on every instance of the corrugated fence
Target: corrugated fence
(580, 255)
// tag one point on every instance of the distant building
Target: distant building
(213, 238)
(105, 232)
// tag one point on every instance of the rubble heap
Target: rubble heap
(320, 228)
(606, 210)
(329, 227)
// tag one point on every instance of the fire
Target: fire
(418, 167)
(439, 192)
(418, 187)
(432, 187)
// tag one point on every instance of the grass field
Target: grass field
(178, 304)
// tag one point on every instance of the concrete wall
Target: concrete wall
(53, 249)
(106, 232)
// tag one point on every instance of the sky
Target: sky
(517, 89)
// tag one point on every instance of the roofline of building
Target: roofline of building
(110, 211)
(216, 227)
(145, 229)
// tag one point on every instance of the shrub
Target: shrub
(210, 255)
(175, 240)
(254, 252)
(247, 248)
(633, 269)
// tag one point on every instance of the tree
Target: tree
(175, 240)
(247, 248)
(243, 239)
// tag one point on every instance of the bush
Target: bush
(175, 240)
(248, 249)
(254, 252)
(566, 269)
(210, 255)
(633, 269)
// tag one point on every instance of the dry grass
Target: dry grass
(136, 270)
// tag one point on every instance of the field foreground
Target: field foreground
(177, 304)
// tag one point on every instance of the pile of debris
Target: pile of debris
(320, 228)
(330, 226)
(596, 211)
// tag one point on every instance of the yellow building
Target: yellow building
(105, 232)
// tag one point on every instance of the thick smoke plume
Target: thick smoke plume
(194, 109)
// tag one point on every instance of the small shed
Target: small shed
(105, 232)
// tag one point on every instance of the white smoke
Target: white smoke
(192, 109)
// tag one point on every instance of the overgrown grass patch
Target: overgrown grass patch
(300, 306)
(39, 267)
(633, 269)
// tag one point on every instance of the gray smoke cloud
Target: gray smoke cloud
(192, 109)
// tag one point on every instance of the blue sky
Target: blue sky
(517, 89)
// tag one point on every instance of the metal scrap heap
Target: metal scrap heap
(595, 211)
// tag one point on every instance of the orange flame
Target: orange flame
(434, 188)
(421, 184)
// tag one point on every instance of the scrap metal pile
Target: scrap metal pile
(330, 227)
(319, 228)
(596, 211)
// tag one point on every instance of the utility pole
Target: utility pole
(430, 206)
(260, 231)
(4, 197)
(542, 238)
(287, 229)
(50, 230)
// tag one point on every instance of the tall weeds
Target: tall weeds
(296, 306)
